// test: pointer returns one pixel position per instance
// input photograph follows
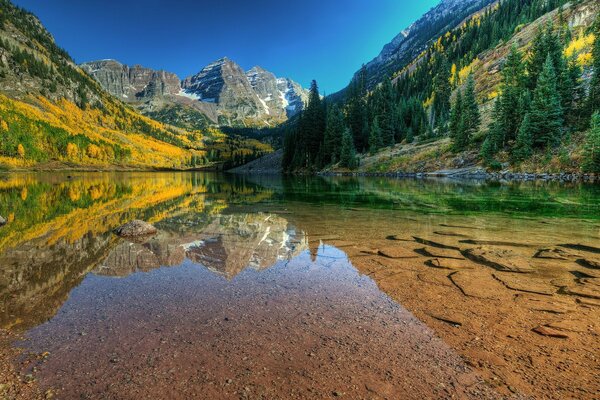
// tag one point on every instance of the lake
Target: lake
(291, 288)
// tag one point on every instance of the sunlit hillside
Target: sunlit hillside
(53, 114)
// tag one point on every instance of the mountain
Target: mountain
(52, 113)
(410, 42)
(221, 93)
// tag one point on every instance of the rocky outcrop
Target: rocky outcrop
(132, 83)
(225, 83)
(135, 228)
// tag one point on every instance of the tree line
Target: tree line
(543, 99)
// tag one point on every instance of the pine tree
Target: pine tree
(593, 101)
(471, 116)
(333, 134)
(312, 127)
(546, 113)
(513, 87)
(441, 93)
(456, 116)
(375, 137)
(356, 110)
(524, 145)
(591, 151)
(537, 57)
(348, 152)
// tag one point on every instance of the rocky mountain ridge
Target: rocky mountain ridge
(222, 91)
(413, 40)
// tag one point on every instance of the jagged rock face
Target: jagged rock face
(280, 97)
(222, 91)
(132, 83)
(225, 83)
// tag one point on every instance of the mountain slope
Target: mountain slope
(413, 40)
(222, 93)
(52, 111)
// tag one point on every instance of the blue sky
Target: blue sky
(327, 40)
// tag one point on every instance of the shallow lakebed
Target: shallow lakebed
(270, 287)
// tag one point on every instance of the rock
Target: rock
(554, 254)
(589, 263)
(501, 260)
(525, 283)
(591, 292)
(478, 283)
(440, 253)
(2, 221)
(449, 263)
(547, 331)
(581, 247)
(436, 243)
(449, 320)
(135, 228)
(397, 252)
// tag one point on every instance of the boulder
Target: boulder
(135, 228)
(2, 221)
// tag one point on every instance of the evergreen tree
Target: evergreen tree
(546, 113)
(495, 136)
(593, 101)
(524, 146)
(312, 127)
(441, 93)
(456, 116)
(348, 152)
(333, 134)
(591, 155)
(471, 116)
(375, 137)
(356, 110)
(513, 88)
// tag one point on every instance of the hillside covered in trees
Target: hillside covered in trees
(54, 114)
(516, 85)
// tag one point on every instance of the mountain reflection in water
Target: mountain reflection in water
(504, 258)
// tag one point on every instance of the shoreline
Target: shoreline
(476, 174)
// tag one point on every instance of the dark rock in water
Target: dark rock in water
(501, 260)
(589, 263)
(135, 228)
(2, 221)
(581, 247)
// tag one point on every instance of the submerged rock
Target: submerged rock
(2, 221)
(501, 260)
(547, 331)
(135, 228)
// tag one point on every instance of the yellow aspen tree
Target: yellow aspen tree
(21, 150)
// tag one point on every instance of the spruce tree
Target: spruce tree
(441, 93)
(375, 138)
(524, 145)
(312, 126)
(348, 152)
(356, 110)
(546, 113)
(456, 116)
(513, 87)
(333, 134)
(593, 101)
(591, 150)
(471, 116)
